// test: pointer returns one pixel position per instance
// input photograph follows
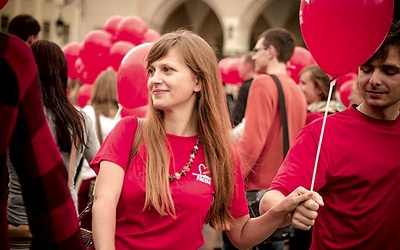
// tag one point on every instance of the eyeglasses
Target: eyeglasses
(255, 50)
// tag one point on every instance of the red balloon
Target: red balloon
(342, 34)
(233, 72)
(118, 51)
(84, 94)
(131, 29)
(96, 48)
(132, 77)
(342, 79)
(3, 3)
(87, 73)
(345, 91)
(229, 70)
(151, 36)
(71, 52)
(138, 112)
(111, 25)
(223, 66)
(301, 58)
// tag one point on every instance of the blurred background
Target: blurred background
(231, 26)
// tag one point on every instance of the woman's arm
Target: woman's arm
(246, 232)
(107, 191)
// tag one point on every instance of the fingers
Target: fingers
(304, 217)
(318, 199)
(301, 194)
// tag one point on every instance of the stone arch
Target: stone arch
(262, 15)
(193, 15)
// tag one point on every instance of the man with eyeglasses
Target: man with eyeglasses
(261, 144)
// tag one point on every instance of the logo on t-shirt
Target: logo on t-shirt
(203, 174)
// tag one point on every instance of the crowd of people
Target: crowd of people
(156, 181)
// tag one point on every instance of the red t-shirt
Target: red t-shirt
(358, 176)
(192, 194)
(261, 145)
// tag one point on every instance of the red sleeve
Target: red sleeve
(298, 167)
(34, 154)
(117, 146)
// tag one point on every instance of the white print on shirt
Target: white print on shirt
(202, 175)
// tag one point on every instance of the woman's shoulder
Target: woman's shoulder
(129, 122)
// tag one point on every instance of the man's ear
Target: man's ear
(31, 39)
(272, 51)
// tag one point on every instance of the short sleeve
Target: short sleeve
(298, 166)
(117, 147)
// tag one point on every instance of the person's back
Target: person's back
(246, 71)
(261, 144)
(25, 135)
(69, 126)
(25, 27)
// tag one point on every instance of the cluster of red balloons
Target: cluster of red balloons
(121, 45)
(301, 58)
(229, 70)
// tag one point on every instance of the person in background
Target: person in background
(25, 27)
(103, 110)
(185, 172)
(315, 85)
(247, 73)
(358, 168)
(261, 144)
(70, 127)
(354, 96)
(27, 139)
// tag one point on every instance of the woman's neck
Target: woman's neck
(180, 125)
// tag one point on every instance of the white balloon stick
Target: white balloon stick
(333, 82)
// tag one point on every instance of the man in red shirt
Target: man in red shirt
(358, 168)
(261, 144)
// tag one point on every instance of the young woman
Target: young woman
(69, 126)
(315, 84)
(185, 173)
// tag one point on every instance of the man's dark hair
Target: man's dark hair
(282, 40)
(24, 26)
(391, 41)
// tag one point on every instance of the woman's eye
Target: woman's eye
(150, 72)
(167, 69)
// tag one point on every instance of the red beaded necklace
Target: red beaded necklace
(186, 168)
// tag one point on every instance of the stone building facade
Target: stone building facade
(231, 26)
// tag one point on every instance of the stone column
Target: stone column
(236, 39)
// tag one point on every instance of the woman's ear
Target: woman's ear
(197, 88)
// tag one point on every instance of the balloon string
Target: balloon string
(116, 117)
(333, 82)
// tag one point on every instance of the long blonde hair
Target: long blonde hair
(105, 95)
(213, 126)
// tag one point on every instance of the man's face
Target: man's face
(260, 56)
(379, 83)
